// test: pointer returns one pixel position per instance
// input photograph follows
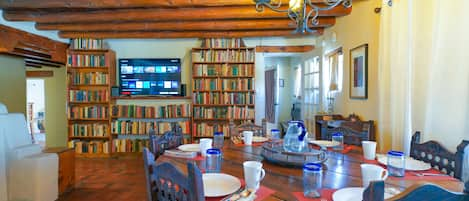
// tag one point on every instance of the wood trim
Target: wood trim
(283, 49)
(338, 50)
(47, 73)
(69, 4)
(218, 25)
(156, 14)
(186, 34)
(21, 43)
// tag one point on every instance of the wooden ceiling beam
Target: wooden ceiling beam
(42, 73)
(21, 43)
(187, 34)
(99, 4)
(283, 49)
(150, 14)
(213, 25)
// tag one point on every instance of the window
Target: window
(333, 77)
(311, 92)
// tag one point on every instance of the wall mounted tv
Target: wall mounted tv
(150, 76)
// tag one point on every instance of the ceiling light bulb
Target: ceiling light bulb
(295, 5)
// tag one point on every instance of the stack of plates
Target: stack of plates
(190, 147)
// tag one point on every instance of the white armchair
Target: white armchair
(31, 174)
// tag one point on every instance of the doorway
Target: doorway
(35, 96)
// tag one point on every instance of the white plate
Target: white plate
(410, 163)
(324, 143)
(190, 147)
(352, 194)
(259, 139)
(219, 184)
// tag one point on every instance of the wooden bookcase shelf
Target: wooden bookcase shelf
(151, 97)
(131, 124)
(223, 72)
(90, 75)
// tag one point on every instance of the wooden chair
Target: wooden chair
(169, 140)
(353, 129)
(248, 126)
(166, 183)
(148, 165)
(420, 192)
(438, 156)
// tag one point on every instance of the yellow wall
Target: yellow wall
(55, 107)
(13, 83)
(360, 27)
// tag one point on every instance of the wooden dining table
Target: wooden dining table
(339, 171)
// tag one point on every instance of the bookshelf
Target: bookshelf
(131, 124)
(223, 72)
(90, 75)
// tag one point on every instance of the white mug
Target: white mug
(204, 144)
(369, 150)
(253, 174)
(247, 137)
(372, 173)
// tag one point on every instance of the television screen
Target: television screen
(149, 76)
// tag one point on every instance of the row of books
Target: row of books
(86, 43)
(88, 95)
(223, 70)
(143, 127)
(89, 130)
(167, 111)
(128, 145)
(222, 43)
(88, 112)
(226, 84)
(205, 84)
(82, 60)
(237, 84)
(207, 130)
(232, 112)
(88, 78)
(92, 147)
(224, 98)
(223, 55)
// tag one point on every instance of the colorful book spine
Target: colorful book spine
(88, 130)
(93, 78)
(86, 60)
(207, 130)
(87, 112)
(86, 43)
(128, 145)
(90, 147)
(88, 96)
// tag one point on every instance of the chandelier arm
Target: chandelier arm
(314, 19)
(329, 6)
(260, 7)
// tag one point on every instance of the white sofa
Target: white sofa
(31, 174)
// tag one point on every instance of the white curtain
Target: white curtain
(424, 72)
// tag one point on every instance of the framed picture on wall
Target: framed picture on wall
(359, 72)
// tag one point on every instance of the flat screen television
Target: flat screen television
(150, 76)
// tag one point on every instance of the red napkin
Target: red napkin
(262, 193)
(326, 195)
(410, 175)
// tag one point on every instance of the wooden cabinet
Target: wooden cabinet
(66, 167)
(223, 72)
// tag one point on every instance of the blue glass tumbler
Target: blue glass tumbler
(213, 160)
(312, 180)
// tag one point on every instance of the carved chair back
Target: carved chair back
(248, 126)
(351, 137)
(438, 156)
(169, 140)
(148, 165)
(421, 192)
(173, 185)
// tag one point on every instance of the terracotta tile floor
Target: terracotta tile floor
(108, 179)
